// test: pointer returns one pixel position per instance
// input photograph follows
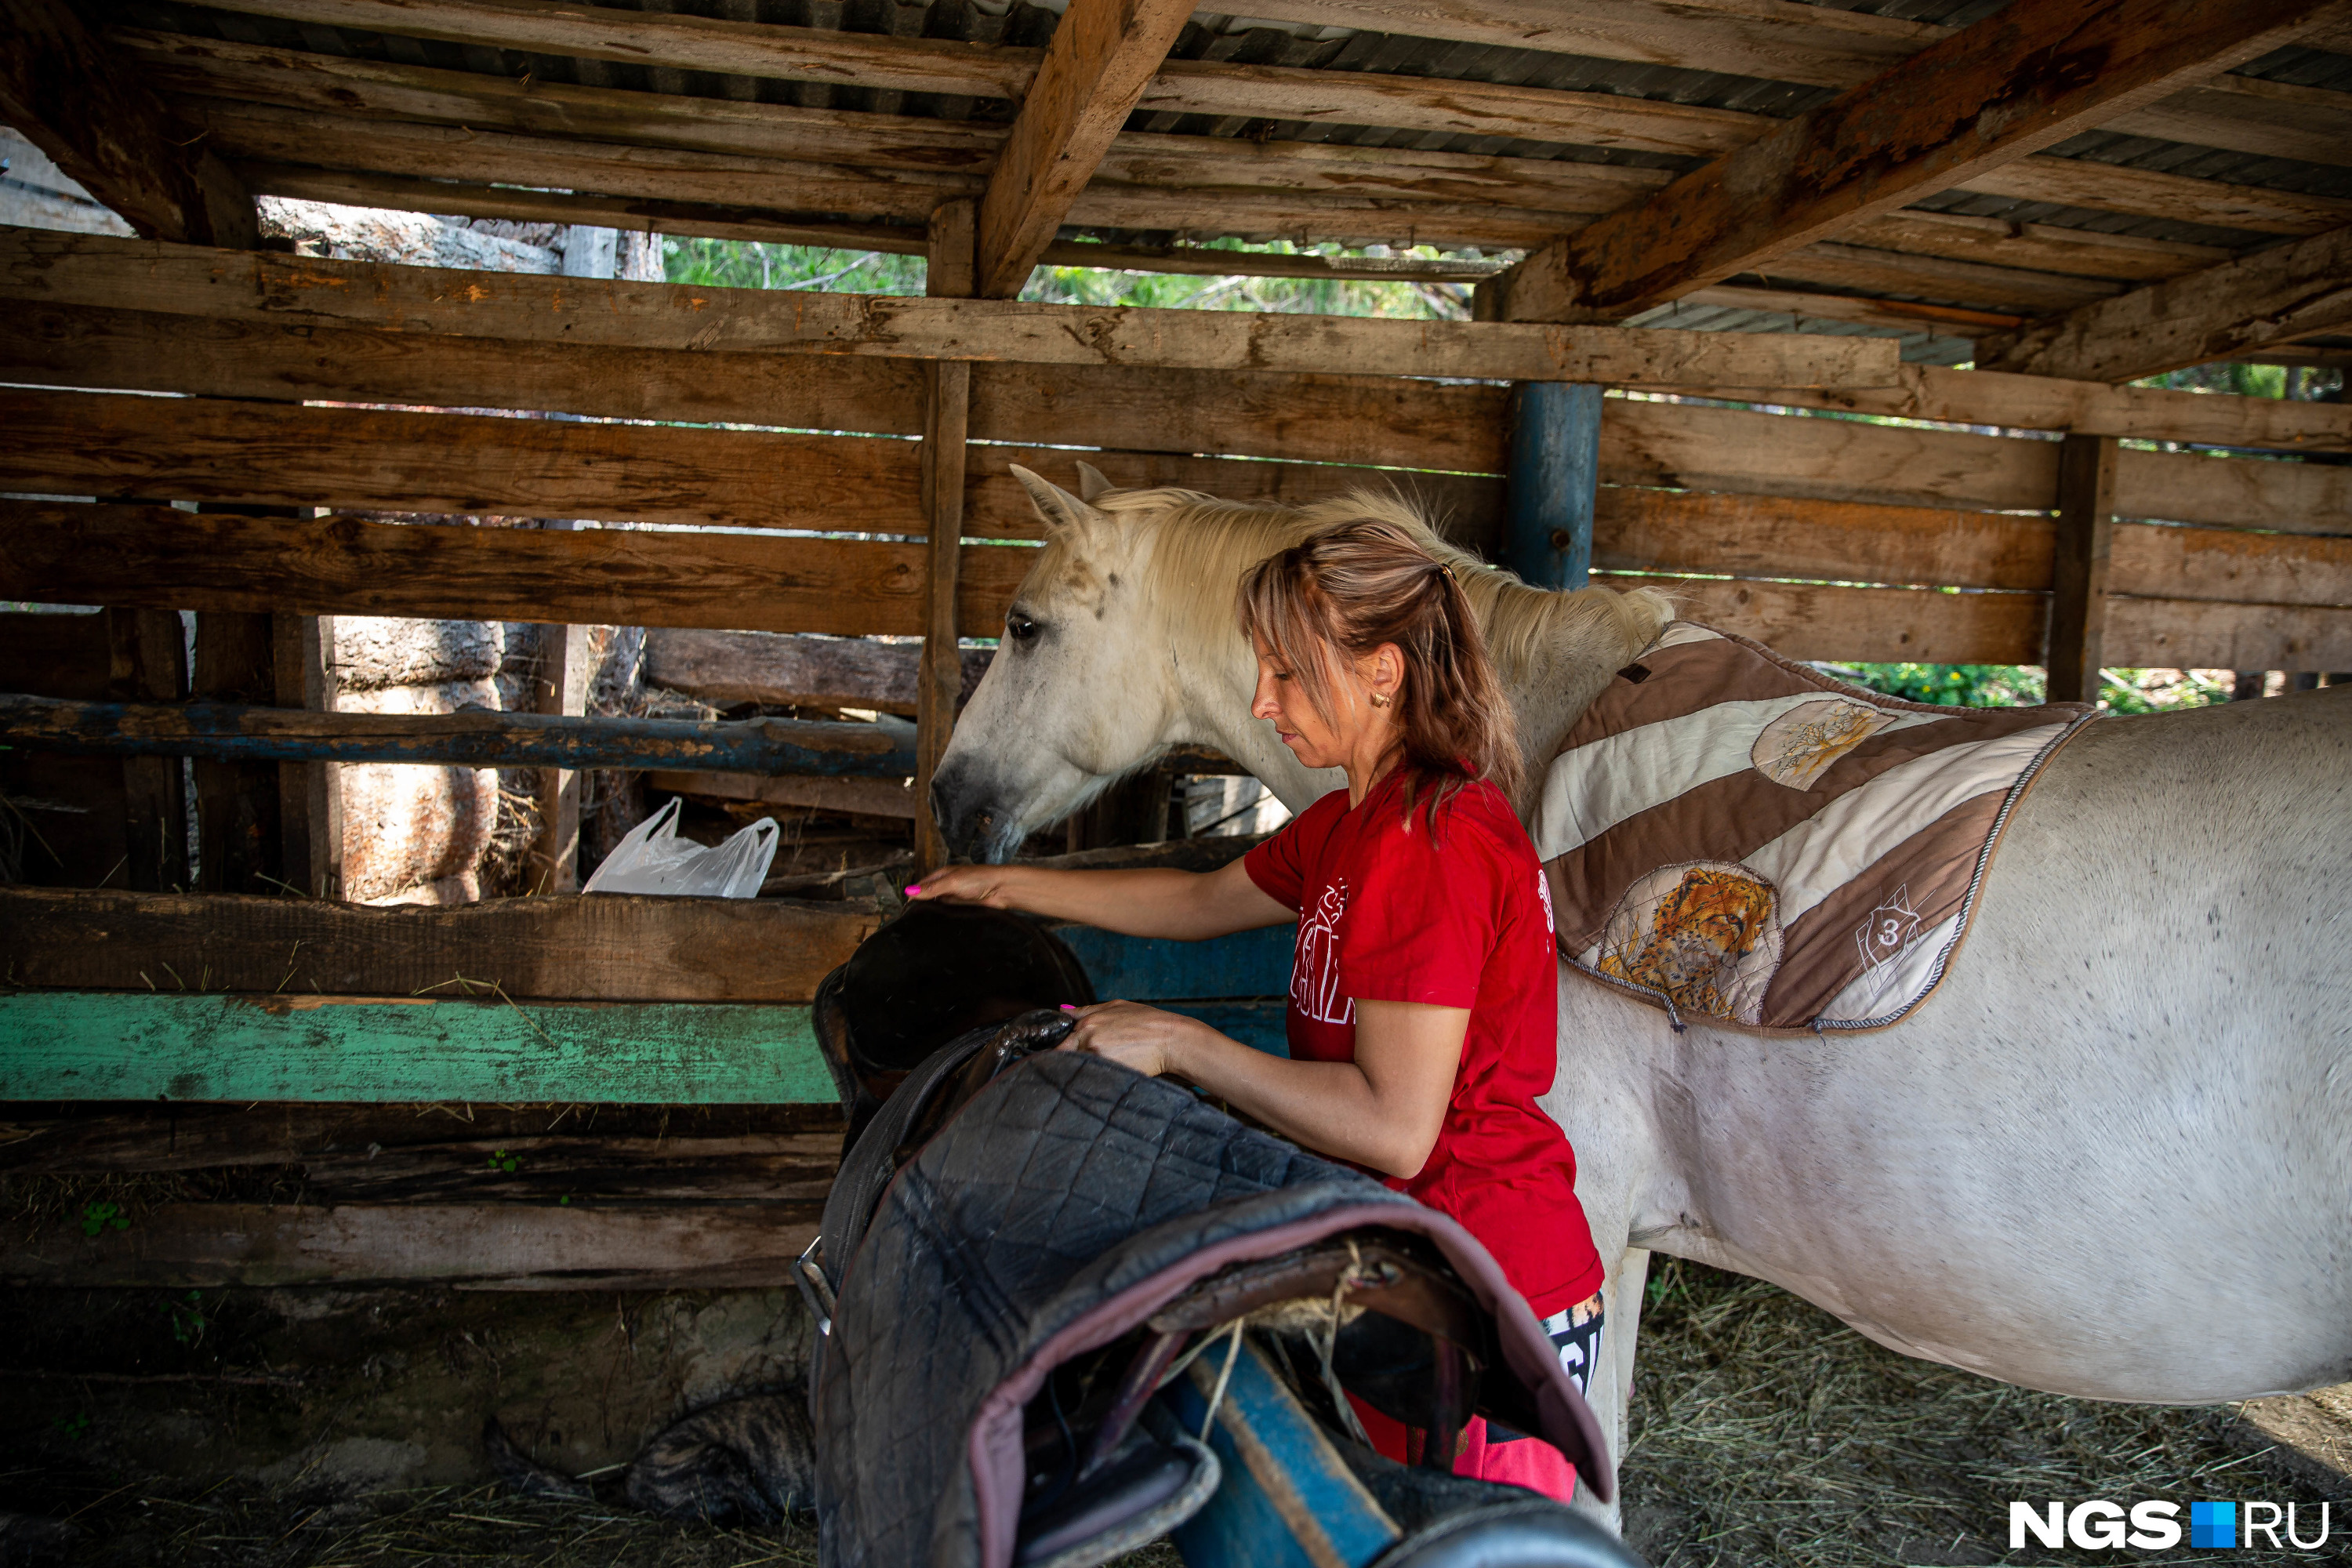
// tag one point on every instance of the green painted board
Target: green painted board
(112, 1045)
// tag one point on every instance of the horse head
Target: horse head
(1123, 640)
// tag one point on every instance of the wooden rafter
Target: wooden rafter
(1103, 55)
(2018, 81)
(2270, 298)
(100, 123)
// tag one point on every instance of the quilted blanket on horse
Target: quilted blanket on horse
(1736, 836)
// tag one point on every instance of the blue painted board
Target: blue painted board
(1253, 964)
(1283, 1478)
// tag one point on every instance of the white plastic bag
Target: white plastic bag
(653, 859)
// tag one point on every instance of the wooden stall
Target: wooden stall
(1729, 259)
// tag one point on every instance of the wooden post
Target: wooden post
(1555, 469)
(238, 836)
(150, 663)
(558, 686)
(310, 794)
(946, 405)
(2078, 577)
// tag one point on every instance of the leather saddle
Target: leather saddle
(1027, 1251)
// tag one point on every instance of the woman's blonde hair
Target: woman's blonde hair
(1345, 591)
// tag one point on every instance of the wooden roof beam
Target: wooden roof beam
(2227, 312)
(1103, 55)
(2027, 77)
(97, 122)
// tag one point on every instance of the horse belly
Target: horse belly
(2109, 1157)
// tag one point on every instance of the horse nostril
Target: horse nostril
(986, 819)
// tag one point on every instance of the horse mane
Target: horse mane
(1202, 546)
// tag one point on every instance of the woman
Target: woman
(1422, 1003)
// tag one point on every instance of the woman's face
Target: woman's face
(1282, 700)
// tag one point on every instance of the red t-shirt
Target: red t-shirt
(1389, 913)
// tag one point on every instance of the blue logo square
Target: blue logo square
(2214, 1524)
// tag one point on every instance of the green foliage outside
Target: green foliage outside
(744, 264)
(2021, 685)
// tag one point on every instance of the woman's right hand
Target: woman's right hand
(988, 885)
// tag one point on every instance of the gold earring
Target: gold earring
(1379, 699)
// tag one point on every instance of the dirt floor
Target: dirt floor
(1766, 1433)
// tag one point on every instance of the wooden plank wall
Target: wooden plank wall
(1831, 537)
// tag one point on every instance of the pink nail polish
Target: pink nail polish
(914, 890)
(1068, 1008)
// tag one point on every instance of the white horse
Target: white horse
(2111, 1157)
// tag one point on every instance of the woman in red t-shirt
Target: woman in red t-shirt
(1421, 1010)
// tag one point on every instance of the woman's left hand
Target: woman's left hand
(1149, 1040)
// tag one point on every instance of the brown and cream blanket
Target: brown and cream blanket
(1739, 837)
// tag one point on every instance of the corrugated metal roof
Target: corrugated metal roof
(1239, 39)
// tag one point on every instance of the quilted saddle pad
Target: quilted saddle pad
(1736, 836)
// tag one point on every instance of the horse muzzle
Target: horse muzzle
(977, 822)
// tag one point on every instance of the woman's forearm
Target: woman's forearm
(1152, 901)
(1329, 1107)
(1149, 902)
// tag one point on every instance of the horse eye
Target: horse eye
(1021, 627)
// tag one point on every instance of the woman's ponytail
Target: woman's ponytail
(1360, 584)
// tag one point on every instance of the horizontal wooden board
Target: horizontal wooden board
(40, 268)
(822, 672)
(2188, 635)
(116, 1045)
(1767, 536)
(2147, 193)
(1466, 508)
(864, 797)
(1800, 620)
(238, 733)
(481, 1247)
(88, 1140)
(1696, 448)
(2289, 496)
(2090, 408)
(1954, 281)
(2033, 247)
(157, 558)
(1315, 418)
(190, 449)
(1755, 536)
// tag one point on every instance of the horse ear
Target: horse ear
(1057, 506)
(1091, 483)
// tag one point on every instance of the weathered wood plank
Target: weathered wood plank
(481, 1246)
(789, 671)
(2083, 550)
(1802, 620)
(864, 797)
(1658, 530)
(951, 272)
(2289, 496)
(135, 1045)
(2111, 188)
(2008, 85)
(1467, 508)
(1764, 536)
(1843, 264)
(220, 450)
(2222, 312)
(610, 947)
(2033, 247)
(1319, 419)
(238, 732)
(1902, 315)
(97, 122)
(62, 552)
(2189, 634)
(1102, 55)
(2046, 403)
(47, 269)
(1694, 448)
(93, 1139)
